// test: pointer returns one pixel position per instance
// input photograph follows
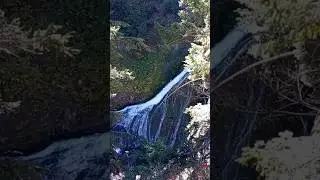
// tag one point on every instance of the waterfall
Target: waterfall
(164, 113)
(139, 119)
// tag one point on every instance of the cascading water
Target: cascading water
(140, 119)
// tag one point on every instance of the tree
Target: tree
(195, 18)
(288, 32)
(14, 40)
(116, 75)
(198, 58)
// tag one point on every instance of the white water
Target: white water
(156, 100)
(136, 118)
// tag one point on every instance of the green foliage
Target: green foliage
(282, 24)
(155, 153)
(133, 58)
(170, 34)
(16, 74)
(199, 125)
(200, 7)
(196, 15)
(283, 158)
(137, 13)
(123, 46)
(148, 75)
(149, 72)
(77, 16)
(48, 39)
(198, 57)
(115, 74)
(142, 14)
(146, 65)
(15, 40)
(148, 158)
(198, 61)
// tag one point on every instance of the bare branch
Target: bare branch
(253, 66)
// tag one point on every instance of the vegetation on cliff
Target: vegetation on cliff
(190, 159)
(286, 61)
(139, 47)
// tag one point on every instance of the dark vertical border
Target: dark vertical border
(223, 20)
(215, 26)
(107, 117)
(213, 23)
(108, 61)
